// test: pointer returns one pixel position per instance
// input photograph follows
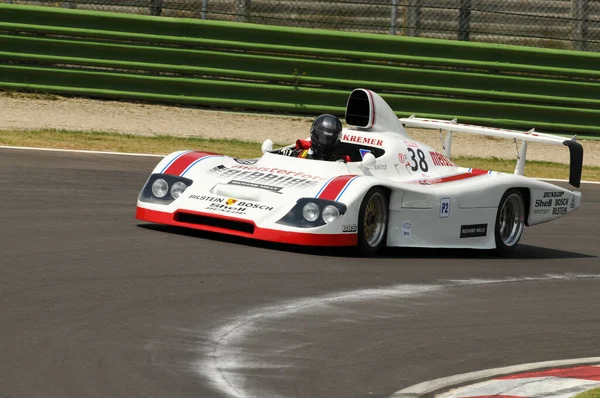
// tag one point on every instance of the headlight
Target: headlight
(156, 190)
(330, 213)
(177, 189)
(310, 211)
(313, 212)
(160, 188)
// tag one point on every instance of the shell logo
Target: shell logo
(230, 201)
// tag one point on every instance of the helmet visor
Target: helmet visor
(326, 138)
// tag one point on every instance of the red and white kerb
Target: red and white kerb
(555, 383)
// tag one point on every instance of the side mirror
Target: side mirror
(369, 160)
(267, 146)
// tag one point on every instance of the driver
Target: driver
(324, 134)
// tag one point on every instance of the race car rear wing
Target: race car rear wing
(575, 149)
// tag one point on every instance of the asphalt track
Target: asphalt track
(96, 304)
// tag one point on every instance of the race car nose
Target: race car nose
(247, 191)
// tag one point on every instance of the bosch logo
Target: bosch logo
(254, 206)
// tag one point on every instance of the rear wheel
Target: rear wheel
(510, 221)
(372, 221)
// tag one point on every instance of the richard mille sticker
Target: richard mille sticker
(255, 185)
(473, 231)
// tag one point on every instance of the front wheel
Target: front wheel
(372, 221)
(510, 221)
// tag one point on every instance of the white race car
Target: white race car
(391, 190)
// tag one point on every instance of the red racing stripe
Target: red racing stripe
(182, 162)
(472, 173)
(333, 188)
(456, 177)
(581, 372)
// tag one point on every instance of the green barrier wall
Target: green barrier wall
(268, 68)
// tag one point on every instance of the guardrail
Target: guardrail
(564, 24)
(277, 69)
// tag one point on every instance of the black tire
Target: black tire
(510, 221)
(372, 221)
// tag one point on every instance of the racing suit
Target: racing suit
(304, 151)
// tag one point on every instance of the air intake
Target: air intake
(359, 110)
(197, 219)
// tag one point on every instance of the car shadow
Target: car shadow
(521, 252)
(238, 240)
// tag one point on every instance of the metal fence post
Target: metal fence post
(156, 7)
(579, 13)
(464, 20)
(241, 10)
(394, 17)
(204, 9)
(413, 18)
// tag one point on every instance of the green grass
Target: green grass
(595, 393)
(101, 141)
(162, 144)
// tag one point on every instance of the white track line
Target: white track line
(161, 156)
(27, 148)
(223, 358)
(547, 277)
(223, 362)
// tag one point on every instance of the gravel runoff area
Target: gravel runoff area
(23, 112)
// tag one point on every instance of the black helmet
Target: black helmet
(324, 134)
